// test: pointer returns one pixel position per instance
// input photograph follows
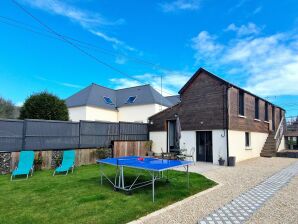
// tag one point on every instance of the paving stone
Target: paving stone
(242, 208)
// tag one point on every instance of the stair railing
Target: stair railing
(279, 133)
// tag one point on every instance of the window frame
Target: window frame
(247, 136)
(266, 115)
(105, 100)
(257, 108)
(241, 107)
(135, 97)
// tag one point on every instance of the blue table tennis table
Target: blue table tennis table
(153, 166)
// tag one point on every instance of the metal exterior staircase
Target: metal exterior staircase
(273, 141)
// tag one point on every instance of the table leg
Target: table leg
(122, 174)
(100, 170)
(187, 176)
(153, 180)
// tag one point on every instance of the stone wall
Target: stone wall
(5, 160)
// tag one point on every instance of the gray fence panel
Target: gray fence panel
(133, 131)
(46, 135)
(11, 135)
(42, 134)
(98, 134)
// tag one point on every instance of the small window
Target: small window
(247, 139)
(131, 99)
(107, 100)
(266, 111)
(241, 103)
(257, 108)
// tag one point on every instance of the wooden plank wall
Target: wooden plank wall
(202, 107)
(130, 148)
(83, 157)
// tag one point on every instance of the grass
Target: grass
(79, 198)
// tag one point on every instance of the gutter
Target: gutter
(227, 122)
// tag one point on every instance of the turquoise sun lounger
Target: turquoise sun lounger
(25, 165)
(68, 162)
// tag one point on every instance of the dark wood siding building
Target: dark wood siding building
(202, 106)
(209, 102)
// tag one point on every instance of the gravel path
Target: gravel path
(233, 181)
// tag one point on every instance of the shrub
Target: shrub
(44, 106)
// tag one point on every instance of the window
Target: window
(107, 100)
(131, 99)
(257, 108)
(241, 103)
(266, 111)
(247, 139)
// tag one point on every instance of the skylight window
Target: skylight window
(131, 99)
(107, 100)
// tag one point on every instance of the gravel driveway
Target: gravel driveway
(234, 181)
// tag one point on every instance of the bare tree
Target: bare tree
(7, 109)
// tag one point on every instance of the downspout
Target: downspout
(227, 121)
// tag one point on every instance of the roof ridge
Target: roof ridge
(133, 87)
(93, 83)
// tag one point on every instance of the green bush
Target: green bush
(44, 106)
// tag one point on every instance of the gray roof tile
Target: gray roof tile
(93, 96)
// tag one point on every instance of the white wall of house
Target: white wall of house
(282, 145)
(92, 114)
(77, 113)
(100, 114)
(188, 140)
(138, 113)
(237, 144)
(159, 140)
(219, 144)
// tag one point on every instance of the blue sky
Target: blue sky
(253, 44)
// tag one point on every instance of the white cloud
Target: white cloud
(83, 17)
(66, 84)
(269, 63)
(257, 10)
(90, 21)
(116, 43)
(179, 5)
(205, 46)
(244, 30)
(172, 81)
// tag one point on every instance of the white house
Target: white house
(134, 104)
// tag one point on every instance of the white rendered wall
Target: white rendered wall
(138, 113)
(237, 144)
(77, 113)
(282, 145)
(219, 145)
(159, 139)
(99, 114)
(188, 140)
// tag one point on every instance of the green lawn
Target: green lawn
(79, 198)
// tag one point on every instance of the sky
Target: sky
(64, 46)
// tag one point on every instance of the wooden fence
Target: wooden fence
(130, 148)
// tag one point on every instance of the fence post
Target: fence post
(119, 124)
(24, 134)
(80, 134)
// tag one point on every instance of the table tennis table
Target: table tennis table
(153, 166)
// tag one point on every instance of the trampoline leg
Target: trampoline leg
(153, 186)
